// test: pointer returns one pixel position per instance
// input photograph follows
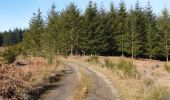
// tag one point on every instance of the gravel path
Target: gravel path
(102, 88)
(66, 87)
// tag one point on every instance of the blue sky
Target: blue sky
(17, 13)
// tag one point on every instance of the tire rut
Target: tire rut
(102, 87)
(66, 87)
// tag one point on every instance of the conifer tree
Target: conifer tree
(90, 19)
(135, 36)
(122, 28)
(112, 28)
(151, 34)
(50, 36)
(70, 28)
(33, 36)
(164, 31)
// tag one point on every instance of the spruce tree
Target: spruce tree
(121, 28)
(50, 36)
(102, 34)
(112, 29)
(151, 34)
(135, 36)
(70, 28)
(33, 36)
(164, 32)
(90, 23)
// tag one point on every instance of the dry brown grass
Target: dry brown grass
(38, 70)
(151, 74)
(12, 82)
(15, 80)
(84, 87)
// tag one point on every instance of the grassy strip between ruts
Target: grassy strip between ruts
(84, 88)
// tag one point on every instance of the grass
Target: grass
(167, 67)
(108, 63)
(94, 59)
(39, 70)
(152, 82)
(16, 81)
(126, 68)
(84, 87)
(148, 82)
(158, 93)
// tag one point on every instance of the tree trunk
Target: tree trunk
(122, 45)
(167, 53)
(71, 50)
(132, 44)
(167, 47)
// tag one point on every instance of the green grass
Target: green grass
(158, 93)
(167, 68)
(127, 68)
(108, 63)
(94, 59)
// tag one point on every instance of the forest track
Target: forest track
(102, 88)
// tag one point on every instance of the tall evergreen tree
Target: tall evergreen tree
(33, 36)
(101, 33)
(122, 28)
(50, 36)
(133, 36)
(89, 44)
(136, 31)
(70, 24)
(112, 28)
(164, 30)
(151, 34)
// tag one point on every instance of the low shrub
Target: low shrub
(158, 93)
(12, 84)
(108, 63)
(94, 59)
(9, 56)
(167, 68)
(148, 82)
(127, 68)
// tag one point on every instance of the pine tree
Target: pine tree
(50, 36)
(33, 36)
(164, 31)
(70, 28)
(101, 33)
(90, 24)
(151, 34)
(122, 28)
(135, 24)
(112, 29)
(133, 33)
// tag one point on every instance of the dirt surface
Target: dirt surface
(102, 88)
(65, 88)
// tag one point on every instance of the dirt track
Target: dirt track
(102, 88)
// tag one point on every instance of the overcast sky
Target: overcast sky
(17, 13)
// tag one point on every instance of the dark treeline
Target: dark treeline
(11, 37)
(136, 32)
